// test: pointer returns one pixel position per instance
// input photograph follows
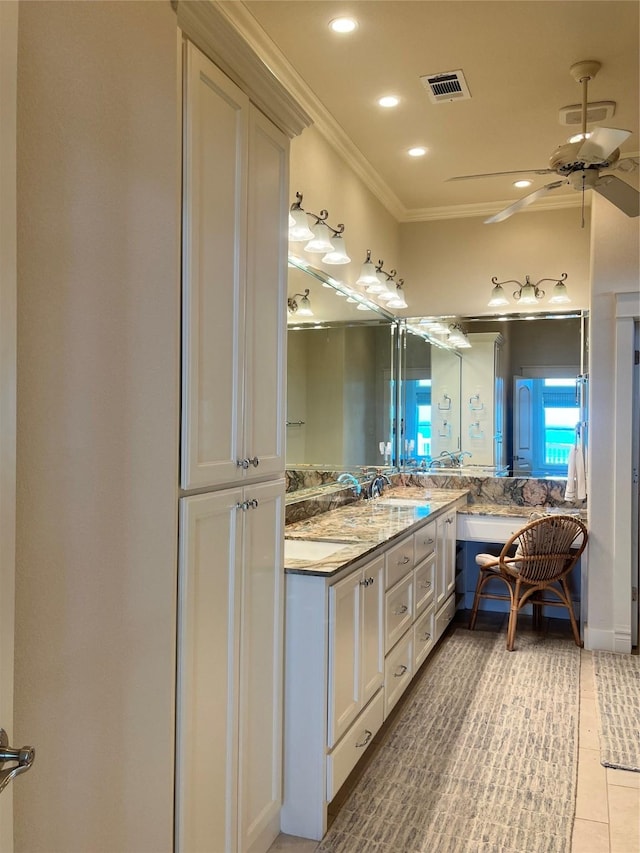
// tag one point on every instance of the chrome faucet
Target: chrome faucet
(448, 459)
(376, 487)
(349, 478)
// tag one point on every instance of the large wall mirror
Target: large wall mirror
(367, 390)
(510, 402)
(341, 375)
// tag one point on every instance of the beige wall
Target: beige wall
(448, 264)
(98, 309)
(326, 181)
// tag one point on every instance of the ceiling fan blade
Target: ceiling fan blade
(602, 142)
(525, 201)
(499, 174)
(619, 193)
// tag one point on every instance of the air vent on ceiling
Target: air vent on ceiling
(596, 111)
(448, 86)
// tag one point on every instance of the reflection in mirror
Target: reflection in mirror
(340, 379)
(521, 402)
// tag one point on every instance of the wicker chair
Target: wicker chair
(536, 560)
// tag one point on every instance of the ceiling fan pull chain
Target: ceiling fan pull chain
(583, 182)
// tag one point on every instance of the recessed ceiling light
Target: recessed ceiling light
(578, 137)
(522, 183)
(389, 101)
(417, 152)
(343, 25)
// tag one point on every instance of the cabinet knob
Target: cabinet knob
(253, 461)
(371, 581)
(426, 585)
(400, 610)
(404, 561)
(367, 737)
(400, 671)
(449, 521)
(428, 541)
(242, 463)
(426, 636)
(364, 582)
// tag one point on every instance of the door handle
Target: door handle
(23, 758)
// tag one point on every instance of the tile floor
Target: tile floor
(608, 801)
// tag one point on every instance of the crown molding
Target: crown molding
(462, 211)
(209, 26)
(241, 26)
(260, 43)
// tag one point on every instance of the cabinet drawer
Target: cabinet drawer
(354, 744)
(424, 584)
(424, 636)
(399, 561)
(445, 615)
(398, 672)
(398, 611)
(424, 541)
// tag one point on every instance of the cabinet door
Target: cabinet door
(344, 654)
(209, 590)
(266, 307)
(446, 557)
(372, 626)
(214, 251)
(261, 663)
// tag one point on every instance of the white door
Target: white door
(372, 629)
(344, 654)
(8, 69)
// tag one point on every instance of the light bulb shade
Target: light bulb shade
(527, 294)
(379, 285)
(320, 242)
(298, 226)
(367, 274)
(559, 294)
(385, 296)
(304, 308)
(498, 297)
(398, 300)
(338, 253)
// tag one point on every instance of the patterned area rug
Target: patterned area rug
(482, 758)
(617, 679)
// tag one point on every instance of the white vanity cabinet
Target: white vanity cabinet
(356, 650)
(234, 283)
(230, 602)
(446, 553)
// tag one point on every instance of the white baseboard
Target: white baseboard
(607, 640)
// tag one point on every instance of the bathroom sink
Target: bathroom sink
(311, 550)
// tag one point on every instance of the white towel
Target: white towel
(570, 491)
(581, 480)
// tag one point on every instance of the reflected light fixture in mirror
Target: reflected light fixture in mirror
(528, 293)
(302, 308)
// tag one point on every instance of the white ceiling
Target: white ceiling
(515, 55)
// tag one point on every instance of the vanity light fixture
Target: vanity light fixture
(367, 272)
(458, 336)
(528, 293)
(322, 238)
(302, 308)
(398, 300)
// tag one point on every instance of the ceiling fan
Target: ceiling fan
(579, 164)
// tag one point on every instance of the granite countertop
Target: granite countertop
(365, 525)
(358, 529)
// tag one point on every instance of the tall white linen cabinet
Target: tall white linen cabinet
(230, 594)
